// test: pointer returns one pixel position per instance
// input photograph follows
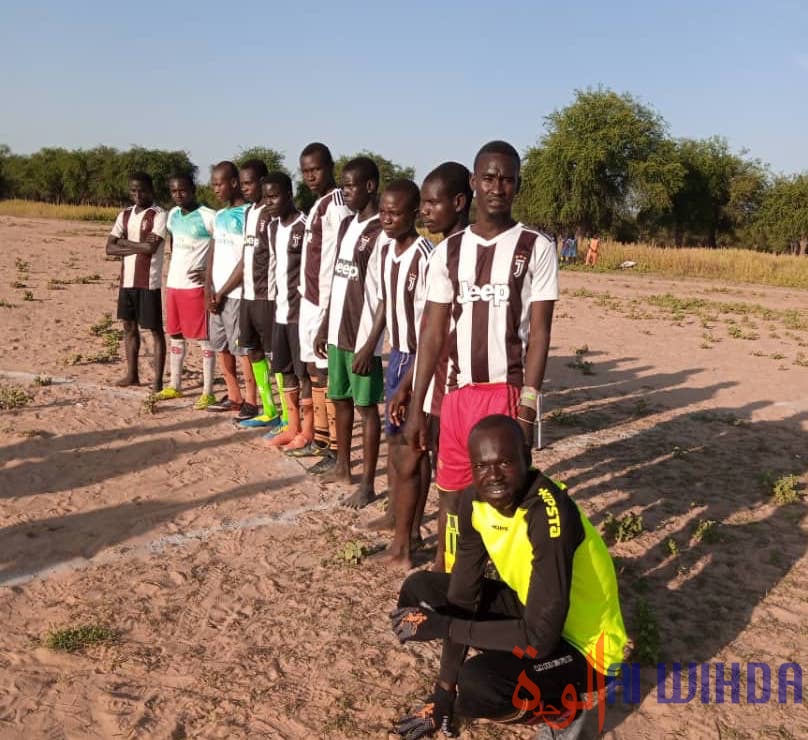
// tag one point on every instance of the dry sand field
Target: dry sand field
(228, 574)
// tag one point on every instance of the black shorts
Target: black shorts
(286, 350)
(255, 325)
(141, 305)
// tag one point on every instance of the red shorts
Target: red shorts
(185, 312)
(459, 412)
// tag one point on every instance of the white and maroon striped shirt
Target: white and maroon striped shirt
(403, 289)
(286, 244)
(355, 288)
(141, 270)
(490, 285)
(320, 247)
(259, 267)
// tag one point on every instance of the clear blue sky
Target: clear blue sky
(419, 82)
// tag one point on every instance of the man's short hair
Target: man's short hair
(281, 179)
(496, 422)
(407, 188)
(455, 179)
(319, 149)
(499, 147)
(228, 167)
(257, 166)
(142, 177)
(363, 166)
(186, 176)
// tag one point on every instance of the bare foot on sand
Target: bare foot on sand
(126, 381)
(337, 475)
(393, 558)
(360, 498)
(382, 523)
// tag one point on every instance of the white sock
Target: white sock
(208, 367)
(178, 349)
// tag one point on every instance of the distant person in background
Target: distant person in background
(138, 237)
(190, 228)
(569, 252)
(592, 252)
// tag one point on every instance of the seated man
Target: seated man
(552, 619)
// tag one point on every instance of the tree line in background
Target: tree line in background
(605, 164)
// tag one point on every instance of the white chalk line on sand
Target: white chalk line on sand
(160, 544)
(111, 390)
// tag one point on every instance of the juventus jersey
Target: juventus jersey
(490, 284)
(141, 270)
(259, 267)
(286, 245)
(355, 288)
(403, 288)
(319, 247)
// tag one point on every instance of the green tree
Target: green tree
(271, 157)
(719, 195)
(387, 170)
(782, 220)
(602, 157)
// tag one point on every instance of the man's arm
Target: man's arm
(233, 281)
(118, 247)
(538, 346)
(362, 359)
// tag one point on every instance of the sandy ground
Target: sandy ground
(218, 563)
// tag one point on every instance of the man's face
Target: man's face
(355, 190)
(496, 182)
(396, 214)
(277, 200)
(140, 193)
(498, 467)
(438, 210)
(250, 185)
(315, 173)
(182, 192)
(224, 186)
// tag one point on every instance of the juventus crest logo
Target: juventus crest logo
(519, 265)
(296, 241)
(411, 282)
(363, 242)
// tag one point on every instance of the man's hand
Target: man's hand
(415, 431)
(399, 402)
(215, 305)
(435, 715)
(197, 276)
(362, 361)
(419, 623)
(153, 238)
(321, 344)
(526, 418)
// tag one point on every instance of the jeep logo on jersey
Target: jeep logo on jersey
(519, 265)
(496, 293)
(346, 269)
(250, 241)
(411, 278)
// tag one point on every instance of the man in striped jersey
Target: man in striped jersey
(286, 232)
(316, 272)
(347, 325)
(190, 228)
(257, 309)
(138, 237)
(445, 202)
(225, 272)
(496, 283)
(401, 264)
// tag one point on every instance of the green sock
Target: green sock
(284, 409)
(261, 373)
